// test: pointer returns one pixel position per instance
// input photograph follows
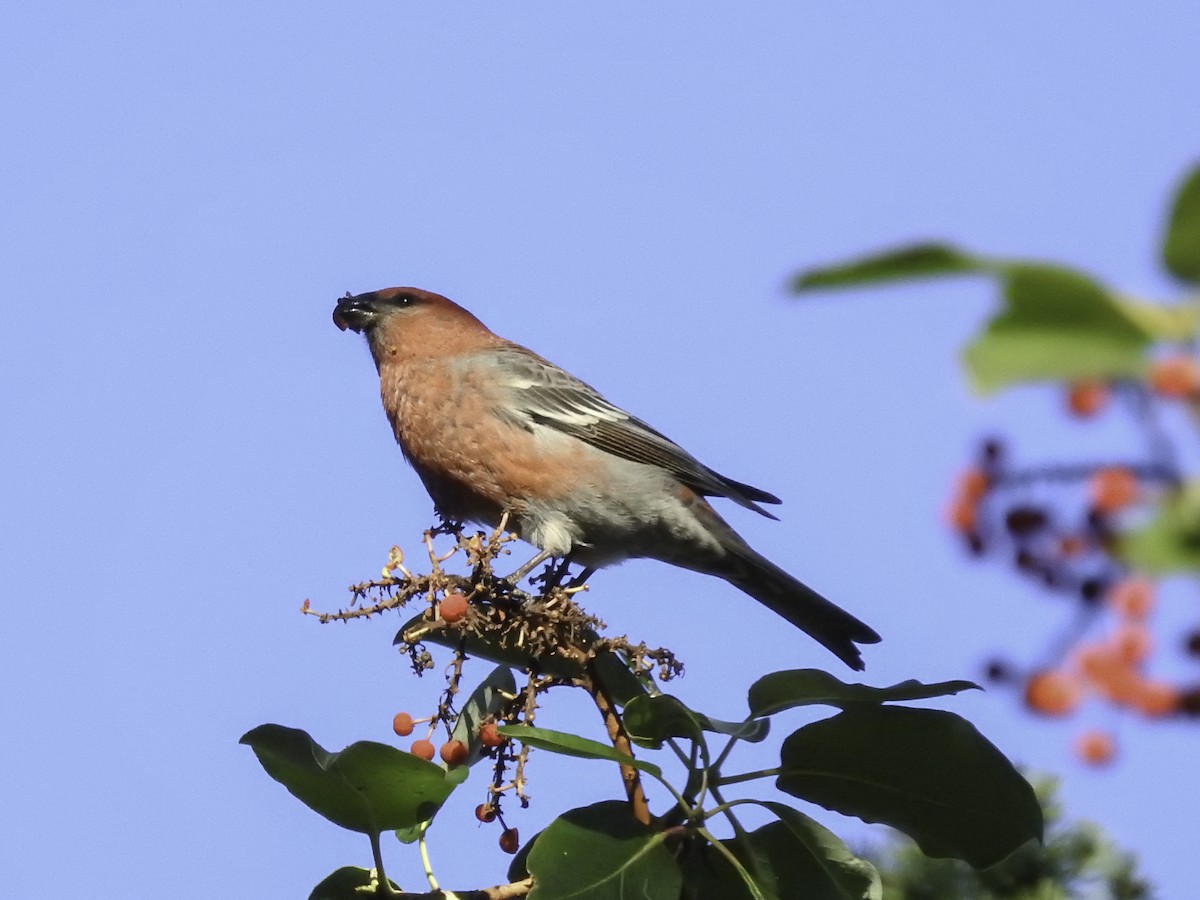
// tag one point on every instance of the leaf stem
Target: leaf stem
(716, 766)
(429, 876)
(385, 886)
(748, 776)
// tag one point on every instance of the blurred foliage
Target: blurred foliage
(1090, 531)
(1077, 862)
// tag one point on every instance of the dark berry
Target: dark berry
(1192, 643)
(998, 671)
(1026, 561)
(485, 812)
(1189, 701)
(1092, 590)
(1023, 521)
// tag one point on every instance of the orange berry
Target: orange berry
(1053, 693)
(485, 812)
(973, 484)
(1096, 748)
(422, 748)
(1113, 489)
(1110, 674)
(1132, 642)
(402, 724)
(1132, 598)
(962, 515)
(1156, 698)
(490, 737)
(1175, 377)
(1086, 398)
(454, 753)
(453, 607)
(510, 840)
(1072, 545)
(1101, 666)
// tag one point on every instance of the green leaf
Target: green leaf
(601, 852)
(1056, 325)
(368, 787)
(1170, 541)
(349, 883)
(803, 687)
(914, 261)
(752, 730)
(1181, 244)
(485, 701)
(617, 680)
(573, 745)
(925, 772)
(661, 716)
(793, 857)
(810, 860)
(709, 875)
(651, 720)
(518, 869)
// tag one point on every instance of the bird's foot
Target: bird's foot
(515, 578)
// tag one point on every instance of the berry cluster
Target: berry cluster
(1061, 526)
(456, 753)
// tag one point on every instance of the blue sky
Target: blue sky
(192, 448)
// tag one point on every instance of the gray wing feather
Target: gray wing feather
(547, 395)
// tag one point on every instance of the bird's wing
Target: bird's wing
(542, 393)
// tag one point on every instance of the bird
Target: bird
(497, 433)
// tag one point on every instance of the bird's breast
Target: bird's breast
(476, 456)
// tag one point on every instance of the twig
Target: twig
(620, 741)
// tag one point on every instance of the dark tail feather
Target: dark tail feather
(802, 606)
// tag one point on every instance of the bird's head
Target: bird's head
(402, 322)
(365, 312)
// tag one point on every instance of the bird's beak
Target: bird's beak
(356, 313)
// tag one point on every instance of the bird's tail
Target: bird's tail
(799, 604)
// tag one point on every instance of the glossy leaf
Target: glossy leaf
(601, 852)
(810, 860)
(1170, 541)
(651, 720)
(349, 883)
(792, 857)
(573, 745)
(708, 874)
(503, 651)
(803, 687)
(925, 772)
(368, 787)
(617, 680)
(485, 701)
(1181, 243)
(904, 263)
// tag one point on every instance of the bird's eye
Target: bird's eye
(404, 299)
